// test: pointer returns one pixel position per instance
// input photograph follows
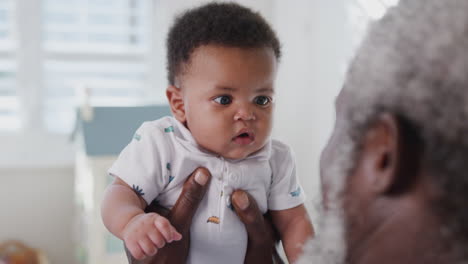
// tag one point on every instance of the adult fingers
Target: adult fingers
(248, 212)
(154, 207)
(260, 244)
(181, 218)
(192, 194)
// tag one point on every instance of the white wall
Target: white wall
(310, 75)
(37, 208)
(33, 149)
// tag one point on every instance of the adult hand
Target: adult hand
(181, 218)
(262, 236)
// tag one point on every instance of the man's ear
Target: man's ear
(174, 96)
(389, 155)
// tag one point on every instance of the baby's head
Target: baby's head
(222, 61)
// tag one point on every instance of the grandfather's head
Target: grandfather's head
(395, 171)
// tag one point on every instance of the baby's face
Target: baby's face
(227, 94)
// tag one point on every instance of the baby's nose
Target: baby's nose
(244, 114)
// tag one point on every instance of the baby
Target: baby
(222, 63)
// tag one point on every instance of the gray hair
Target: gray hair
(414, 64)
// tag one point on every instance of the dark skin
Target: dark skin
(261, 243)
(387, 197)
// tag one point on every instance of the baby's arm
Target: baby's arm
(123, 215)
(294, 228)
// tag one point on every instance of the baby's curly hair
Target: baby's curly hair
(226, 24)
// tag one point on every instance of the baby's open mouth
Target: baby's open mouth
(244, 138)
(244, 135)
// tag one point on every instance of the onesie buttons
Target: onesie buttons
(227, 198)
(234, 178)
(229, 203)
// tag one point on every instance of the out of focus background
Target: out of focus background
(78, 76)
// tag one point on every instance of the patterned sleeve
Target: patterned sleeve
(142, 163)
(285, 190)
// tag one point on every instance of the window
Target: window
(109, 26)
(95, 45)
(100, 46)
(9, 101)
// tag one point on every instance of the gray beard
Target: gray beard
(329, 244)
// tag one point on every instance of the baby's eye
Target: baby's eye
(223, 99)
(262, 100)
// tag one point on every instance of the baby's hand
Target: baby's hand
(146, 233)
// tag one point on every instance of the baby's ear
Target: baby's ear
(174, 96)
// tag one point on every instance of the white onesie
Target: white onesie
(163, 153)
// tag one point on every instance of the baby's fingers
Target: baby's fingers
(135, 250)
(147, 246)
(166, 229)
(157, 239)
